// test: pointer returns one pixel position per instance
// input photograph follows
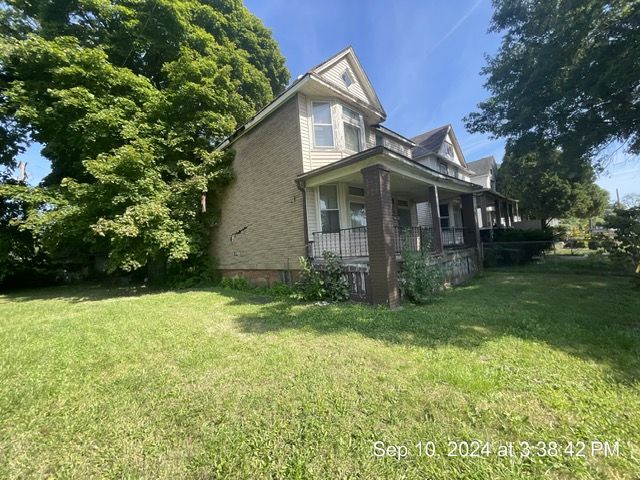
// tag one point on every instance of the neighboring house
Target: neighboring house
(316, 171)
(495, 210)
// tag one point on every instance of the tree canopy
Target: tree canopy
(567, 73)
(129, 99)
(548, 187)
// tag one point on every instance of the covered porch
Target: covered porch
(495, 211)
(370, 207)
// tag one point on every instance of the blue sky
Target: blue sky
(423, 58)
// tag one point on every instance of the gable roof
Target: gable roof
(350, 55)
(297, 84)
(482, 166)
(429, 142)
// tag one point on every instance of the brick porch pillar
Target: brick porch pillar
(434, 203)
(383, 269)
(469, 223)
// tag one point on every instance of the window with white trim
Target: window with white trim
(322, 125)
(443, 168)
(447, 149)
(444, 216)
(329, 211)
(352, 122)
(347, 78)
(404, 213)
(357, 208)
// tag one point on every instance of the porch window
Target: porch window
(404, 213)
(444, 216)
(322, 125)
(357, 207)
(329, 212)
(352, 129)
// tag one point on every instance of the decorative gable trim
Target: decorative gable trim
(358, 71)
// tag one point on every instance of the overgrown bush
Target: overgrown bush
(421, 278)
(626, 222)
(517, 247)
(322, 282)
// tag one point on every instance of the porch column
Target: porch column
(434, 203)
(498, 214)
(471, 232)
(383, 270)
(486, 218)
(510, 214)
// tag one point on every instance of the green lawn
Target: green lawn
(216, 384)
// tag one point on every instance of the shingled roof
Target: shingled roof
(482, 166)
(429, 142)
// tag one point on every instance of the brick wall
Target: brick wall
(261, 225)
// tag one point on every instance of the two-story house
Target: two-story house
(315, 170)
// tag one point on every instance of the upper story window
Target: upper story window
(447, 149)
(352, 122)
(443, 168)
(347, 78)
(454, 172)
(322, 125)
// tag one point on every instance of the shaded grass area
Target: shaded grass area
(222, 384)
(575, 262)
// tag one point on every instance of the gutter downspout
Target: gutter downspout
(300, 184)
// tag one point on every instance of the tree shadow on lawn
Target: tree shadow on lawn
(81, 293)
(595, 320)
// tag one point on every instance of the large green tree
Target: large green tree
(567, 72)
(129, 99)
(548, 187)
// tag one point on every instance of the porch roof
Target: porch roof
(495, 193)
(413, 174)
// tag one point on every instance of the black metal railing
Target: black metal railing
(352, 242)
(413, 238)
(347, 242)
(453, 237)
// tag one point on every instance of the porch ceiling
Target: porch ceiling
(408, 178)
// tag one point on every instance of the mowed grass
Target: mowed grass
(220, 384)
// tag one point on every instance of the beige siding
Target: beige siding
(312, 209)
(334, 76)
(305, 132)
(264, 198)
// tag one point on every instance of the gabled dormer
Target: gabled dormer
(440, 150)
(339, 111)
(345, 72)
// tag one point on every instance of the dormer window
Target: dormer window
(352, 129)
(447, 149)
(347, 78)
(322, 125)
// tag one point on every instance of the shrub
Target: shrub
(517, 247)
(241, 284)
(322, 282)
(626, 222)
(421, 278)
